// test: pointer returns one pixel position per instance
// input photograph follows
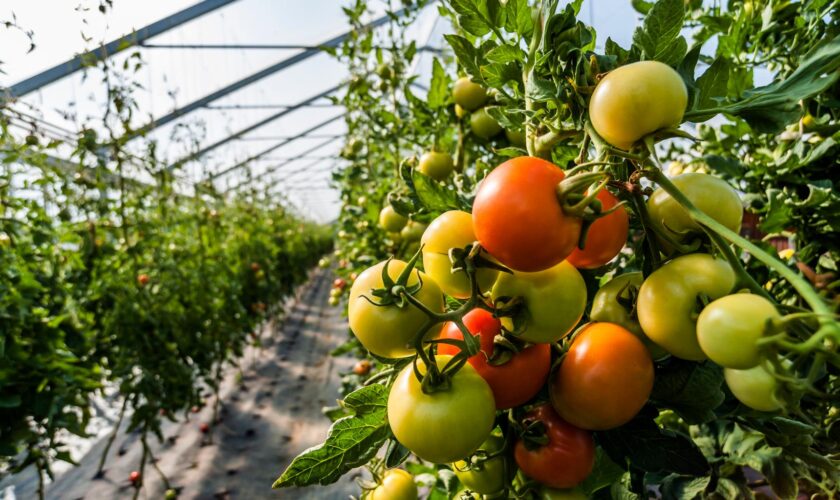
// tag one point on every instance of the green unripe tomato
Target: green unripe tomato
(436, 165)
(667, 301)
(413, 231)
(483, 125)
(390, 220)
(755, 387)
(442, 426)
(516, 137)
(729, 328)
(468, 95)
(635, 100)
(389, 330)
(170, 494)
(613, 304)
(396, 484)
(711, 195)
(553, 494)
(488, 476)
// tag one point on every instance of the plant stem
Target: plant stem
(111, 438)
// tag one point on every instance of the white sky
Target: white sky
(173, 78)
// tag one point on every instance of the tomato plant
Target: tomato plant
(468, 95)
(605, 238)
(436, 165)
(729, 329)
(396, 484)
(487, 473)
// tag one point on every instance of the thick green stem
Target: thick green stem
(744, 278)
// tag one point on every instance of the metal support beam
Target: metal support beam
(286, 162)
(113, 47)
(259, 75)
(282, 137)
(273, 148)
(250, 46)
(251, 128)
(270, 106)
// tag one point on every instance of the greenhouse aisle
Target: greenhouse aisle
(268, 418)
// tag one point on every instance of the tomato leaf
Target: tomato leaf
(659, 37)
(477, 17)
(642, 443)
(604, 473)
(351, 442)
(466, 54)
(693, 390)
(438, 95)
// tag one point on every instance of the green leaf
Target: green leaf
(466, 54)
(642, 6)
(352, 441)
(642, 443)
(684, 488)
(659, 37)
(438, 94)
(604, 473)
(433, 195)
(518, 18)
(727, 167)
(692, 390)
(10, 401)
(505, 53)
(712, 84)
(477, 17)
(768, 109)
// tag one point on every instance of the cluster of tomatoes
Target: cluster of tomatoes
(532, 296)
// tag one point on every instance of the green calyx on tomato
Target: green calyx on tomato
(711, 195)
(670, 298)
(615, 302)
(395, 484)
(452, 230)
(552, 451)
(635, 100)
(729, 328)
(444, 426)
(468, 95)
(514, 208)
(436, 165)
(604, 379)
(514, 377)
(485, 473)
(483, 125)
(548, 304)
(385, 324)
(390, 220)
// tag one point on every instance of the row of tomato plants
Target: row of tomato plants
(546, 313)
(108, 283)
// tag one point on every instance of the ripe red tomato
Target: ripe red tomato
(255, 266)
(513, 382)
(143, 279)
(134, 476)
(339, 283)
(606, 236)
(518, 218)
(605, 378)
(567, 458)
(204, 428)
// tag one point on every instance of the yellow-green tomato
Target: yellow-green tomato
(396, 484)
(483, 125)
(460, 112)
(388, 331)
(554, 300)
(436, 165)
(615, 303)
(486, 476)
(390, 220)
(710, 195)
(754, 387)
(635, 100)
(668, 300)
(729, 328)
(445, 425)
(413, 231)
(470, 96)
(516, 137)
(553, 494)
(453, 229)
